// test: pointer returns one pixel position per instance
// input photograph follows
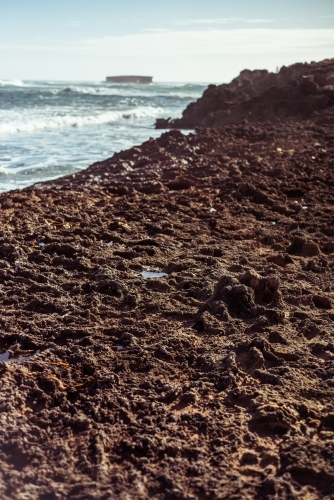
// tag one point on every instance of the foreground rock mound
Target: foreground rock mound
(167, 322)
(298, 92)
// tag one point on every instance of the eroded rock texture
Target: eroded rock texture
(215, 381)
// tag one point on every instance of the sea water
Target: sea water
(50, 129)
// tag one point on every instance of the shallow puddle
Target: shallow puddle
(9, 357)
(152, 274)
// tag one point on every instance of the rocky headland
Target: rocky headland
(213, 379)
(297, 92)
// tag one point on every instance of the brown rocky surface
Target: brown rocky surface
(298, 92)
(214, 381)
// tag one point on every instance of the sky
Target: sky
(172, 40)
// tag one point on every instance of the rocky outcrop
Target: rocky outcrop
(167, 322)
(298, 92)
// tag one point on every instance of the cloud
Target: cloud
(325, 17)
(211, 41)
(218, 20)
(195, 42)
(213, 54)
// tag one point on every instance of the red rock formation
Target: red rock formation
(298, 92)
(213, 381)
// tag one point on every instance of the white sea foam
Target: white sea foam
(53, 122)
(46, 133)
(13, 83)
(151, 91)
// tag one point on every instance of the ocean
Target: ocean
(50, 129)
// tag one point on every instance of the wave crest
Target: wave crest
(11, 83)
(79, 121)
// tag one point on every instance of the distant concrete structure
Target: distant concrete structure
(129, 79)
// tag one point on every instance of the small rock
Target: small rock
(188, 397)
(322, 302)
(171, 394)
(268, 378)
(127, 338)
(310, 249)
(296, 245)
(280, 259)
(256, 359)
(250, 278)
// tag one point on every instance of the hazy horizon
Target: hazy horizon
(86, 40)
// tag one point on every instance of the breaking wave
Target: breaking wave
(12, 83)
(53, 128)
(54, 122)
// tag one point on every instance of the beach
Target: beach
(167, 316)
